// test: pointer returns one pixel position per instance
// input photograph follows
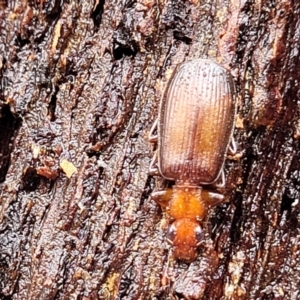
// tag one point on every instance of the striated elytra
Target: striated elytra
(193, 132)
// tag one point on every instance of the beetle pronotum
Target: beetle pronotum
(193, 132)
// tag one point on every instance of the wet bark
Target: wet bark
(80, 88)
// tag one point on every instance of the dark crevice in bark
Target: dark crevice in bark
(52, 105)
(121, 50)
(181, 37)
(235, 232)
(21, 42)
(9, 126)
(286, 203)
(5, 297)
(124, 41)
(30, 180)
(148, 189)
(291, 194)
(53, 10)
(3, 83)
(97, 13)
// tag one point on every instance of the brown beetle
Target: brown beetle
(194, 130)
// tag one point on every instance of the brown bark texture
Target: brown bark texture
(80, 88)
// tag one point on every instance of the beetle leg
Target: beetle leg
(152, 135)
(162, 197)
(223, 181)
(212, 198)
(153, 169)
(232, 149)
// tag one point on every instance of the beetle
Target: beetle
(193, 133)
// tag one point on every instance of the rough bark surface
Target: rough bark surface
(80, 87)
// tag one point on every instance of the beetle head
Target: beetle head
(185, 235)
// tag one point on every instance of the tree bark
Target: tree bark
(81, 83)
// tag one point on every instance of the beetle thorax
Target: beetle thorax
(186, 202)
